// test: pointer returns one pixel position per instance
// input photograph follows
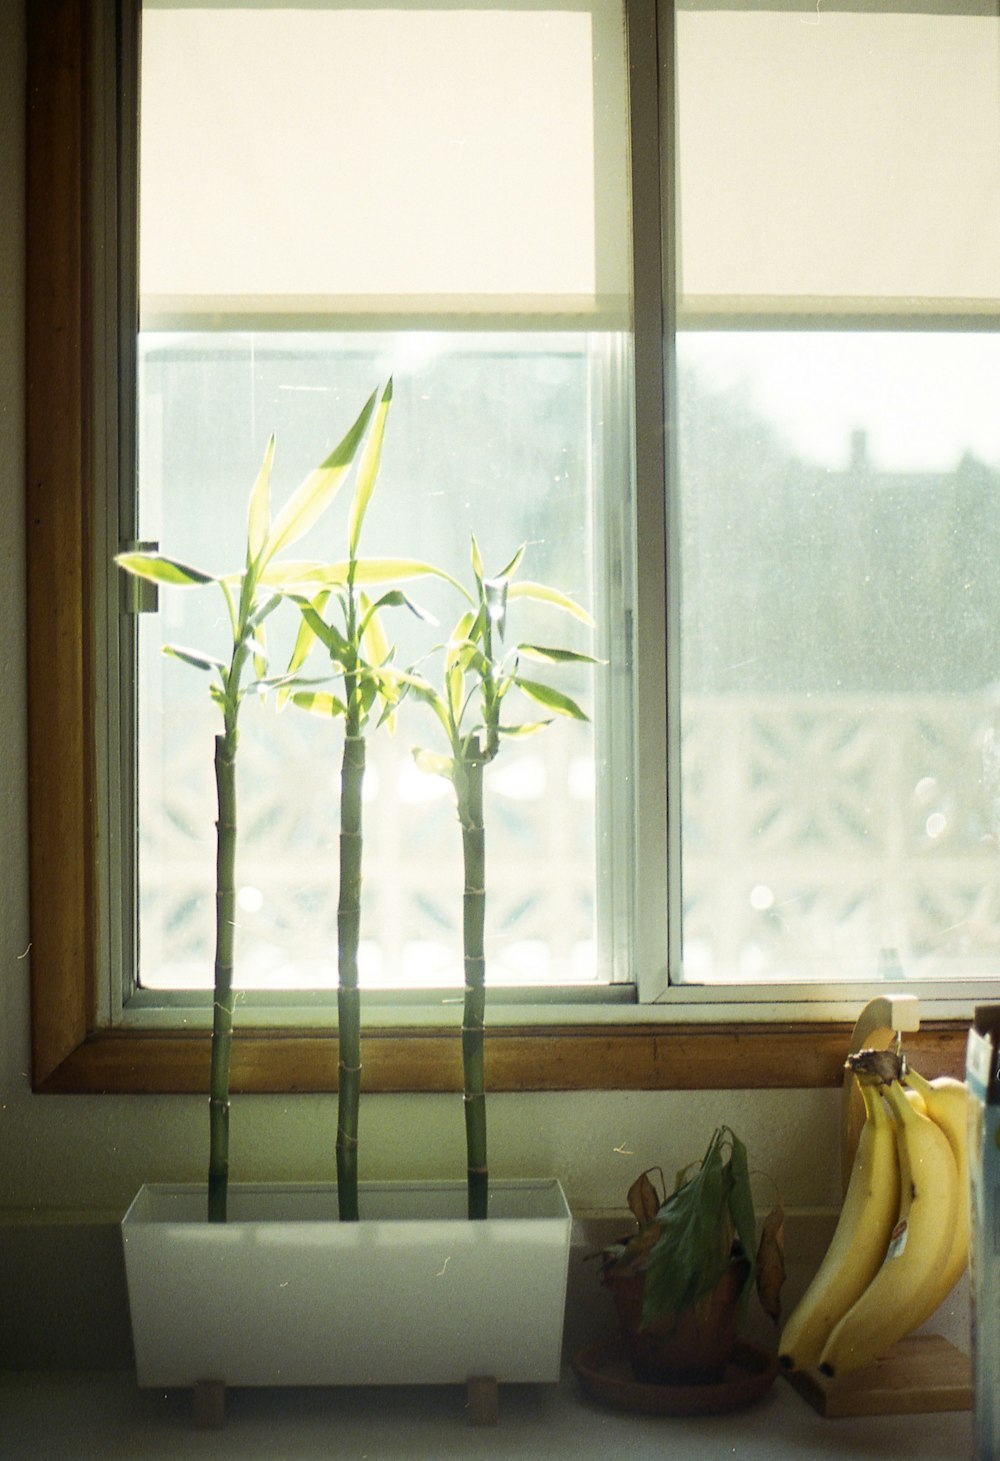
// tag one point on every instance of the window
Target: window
(774, 474)
(838, 465)
(468, 236)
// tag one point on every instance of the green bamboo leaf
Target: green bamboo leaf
(455, 684)
(423, 691)
(478, 630)
(529, 728)
(324, 632)
(434, 764)
(543, 594)
(388, 570)
(194, 657)
(304, 575)
(159, 569)
(550, 655)
(259, 510)
(551, 699)
(395, 598)
(514, 563)
(311, 499)
(259, 615)
(467, 654)
(372, 636)
(288, 683)
(368, 691)
(460, 636)
(259, 647)
(306, 637)
(477, 560)
(386, 684)
(319, 702)
(368, 467)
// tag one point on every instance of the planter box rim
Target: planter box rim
(183, 1202)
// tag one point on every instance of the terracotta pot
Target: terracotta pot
(691, 1348)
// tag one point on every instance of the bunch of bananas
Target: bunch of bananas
(902, 1238)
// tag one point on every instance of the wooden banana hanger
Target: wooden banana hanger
(878, 1025)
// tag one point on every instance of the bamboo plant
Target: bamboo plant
(479, 674)
(250, 596)
(360, 655)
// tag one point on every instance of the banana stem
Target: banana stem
(469, 787)
(348, 995)
(222, 1017)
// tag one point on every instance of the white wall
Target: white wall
(89, 1153)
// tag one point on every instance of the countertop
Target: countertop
(103, 1416)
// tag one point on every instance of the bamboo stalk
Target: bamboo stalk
(222, 1016)
(348, 994)
(470, 813)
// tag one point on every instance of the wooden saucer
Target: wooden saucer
(605, 1375)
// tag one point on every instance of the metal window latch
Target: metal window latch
(139, 595)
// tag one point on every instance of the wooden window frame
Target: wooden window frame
(71, 1051)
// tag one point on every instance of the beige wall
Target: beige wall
(88, 1154)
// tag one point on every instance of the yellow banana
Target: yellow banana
(909, 1278)
(870, 1208)
(946, 1101)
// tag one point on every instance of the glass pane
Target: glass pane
(840, 654)
(331, 194)
(829, 152)
(499, 435)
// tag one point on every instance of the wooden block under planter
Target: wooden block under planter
(923, 1372)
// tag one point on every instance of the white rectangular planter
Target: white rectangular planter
(285, 1294)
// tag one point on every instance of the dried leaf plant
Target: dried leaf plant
(479, 676)
(685, 1241)
(250, 596)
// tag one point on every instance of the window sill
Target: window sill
(554, 1057)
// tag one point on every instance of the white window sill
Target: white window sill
(715, 1004)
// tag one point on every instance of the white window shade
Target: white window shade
(838, 157)
(419, 162)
